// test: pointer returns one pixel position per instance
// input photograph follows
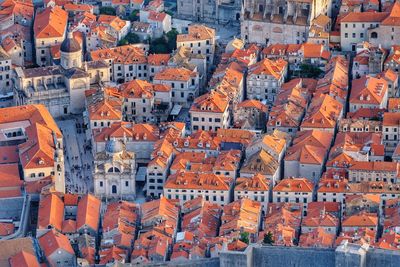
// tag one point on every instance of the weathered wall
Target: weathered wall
(293, 257)
(210, 262)
(346, 255)
(236, 258)
(381, 257)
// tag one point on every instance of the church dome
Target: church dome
(70, 45)
(114, 146)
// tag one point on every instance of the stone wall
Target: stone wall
(209, 262)
(346, 255)
(293, 257)
(382, 257)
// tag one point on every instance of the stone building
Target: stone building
(273, 21)
(5, 79)
(210, 11)
(114, 172)
(61, 88)
(265, 79)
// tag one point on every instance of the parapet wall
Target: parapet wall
(346, 255)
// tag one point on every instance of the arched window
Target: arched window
(113, 169)
(374, 35)
(114, 189)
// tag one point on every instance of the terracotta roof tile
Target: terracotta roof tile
(50, 23)
(52, 241)
(294, 185)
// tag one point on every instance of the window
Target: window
(126, 183)
(101, 183)
(346, 35)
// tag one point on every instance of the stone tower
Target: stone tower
(59, 170)
(71, 53)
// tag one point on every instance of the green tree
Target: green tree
(134, 16)
(107, 10)
(268, 238)
(309, 71)
(244, 237)
(171, 39)
(159, 49)
(130, 38)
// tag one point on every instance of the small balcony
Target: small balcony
(160, 108)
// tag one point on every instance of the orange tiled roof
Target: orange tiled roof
(113, 21)
(320, 219)
(51, 212)
(375, 166)
(393, 104)
(241, 215)
(283, 221)
(16, 8)
(78, 7)
(391, 119)
(157, 16)
(214, 101)
(52, 241)
(327, 185)
(6, 228)
(135, 132)
(309, 147)
(163, 209)
(203, 181)
(369, 16)
(50, 23)
(175, 74)
(252, 103)
(311, 50)
(275, 68)
(294, 185)
(121, 216)
(9, 174)
(24, 259)
(317, 238)
(368, 90)
(362, 219)
(158, 59)
(106, 109)
(113, 254)
(203, 221)
(88, 215)
(228, 160)
(196, 32)
(394, 16)
(68, 227)
(255, 183)
(347, 143)
(261, 162)
(126, 54)
(323, 112)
